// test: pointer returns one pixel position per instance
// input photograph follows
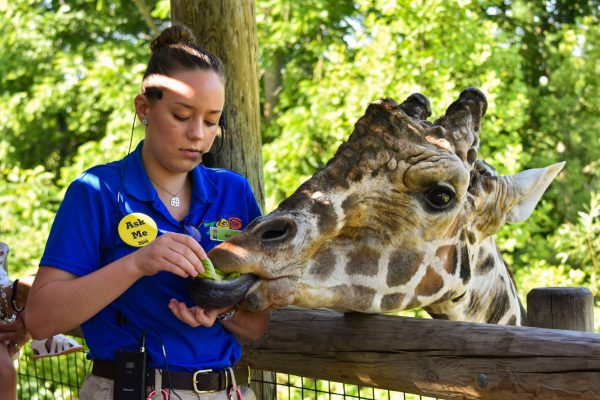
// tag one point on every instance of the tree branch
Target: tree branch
(143, 8)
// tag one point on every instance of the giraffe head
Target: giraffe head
(393, 221)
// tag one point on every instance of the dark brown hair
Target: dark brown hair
(175, 50)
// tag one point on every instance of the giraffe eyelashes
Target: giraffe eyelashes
(439, 197)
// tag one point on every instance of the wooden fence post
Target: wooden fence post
(561, 308)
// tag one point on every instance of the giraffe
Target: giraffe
(403, 216)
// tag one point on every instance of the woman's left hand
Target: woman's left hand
(14, 333)
(194, 316)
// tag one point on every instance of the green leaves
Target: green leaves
(210, 272)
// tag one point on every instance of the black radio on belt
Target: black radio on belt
(130, 375)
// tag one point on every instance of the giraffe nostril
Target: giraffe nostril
(275, 230)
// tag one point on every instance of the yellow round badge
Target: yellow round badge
(137, 229)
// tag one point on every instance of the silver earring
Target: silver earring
(145, 122)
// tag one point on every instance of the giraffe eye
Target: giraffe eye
(439, 197)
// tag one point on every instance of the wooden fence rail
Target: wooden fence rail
(447, 359)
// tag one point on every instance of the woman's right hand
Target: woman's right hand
(172, 252)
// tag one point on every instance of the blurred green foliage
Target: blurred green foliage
(69, 72)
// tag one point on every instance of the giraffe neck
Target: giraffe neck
(489, 295)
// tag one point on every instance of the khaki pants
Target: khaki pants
(97, 388)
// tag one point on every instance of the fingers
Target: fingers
(186, 254)
(173, 252)
(194, 316)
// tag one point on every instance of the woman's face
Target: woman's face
(183, 124)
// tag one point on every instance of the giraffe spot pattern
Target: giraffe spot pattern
(498, 307)
(362, 261)
(402, 266)
(465, 267)
(473, 306)
(349, 201)
(361, 297)
(485, 265)
(471, 237)
(431, 283)
(449, 257)
(326, 214)
(324, 264)
(390, 302)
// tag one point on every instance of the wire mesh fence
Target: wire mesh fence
(60, 377)
(292, 387)
(50, 377)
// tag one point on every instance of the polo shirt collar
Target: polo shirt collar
(135, 180)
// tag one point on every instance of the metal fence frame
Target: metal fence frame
(60, 377)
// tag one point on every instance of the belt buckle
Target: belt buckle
(203, 371)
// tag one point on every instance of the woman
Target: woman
(118, 249)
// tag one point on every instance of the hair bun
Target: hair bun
(177, 34)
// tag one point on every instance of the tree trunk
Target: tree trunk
(272, 86)
(228, 29)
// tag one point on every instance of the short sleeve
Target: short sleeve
(75, 240)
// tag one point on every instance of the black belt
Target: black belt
(200, 381)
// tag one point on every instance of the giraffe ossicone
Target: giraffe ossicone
(403, 216)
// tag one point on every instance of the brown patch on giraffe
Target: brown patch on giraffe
(349, 201)
(474, 187)
(449, 257)
(484, 265)
(473, 306)
(326, 213)
(465, 264)
(390, 302)
(498, 307)
(355, 297)
(324, 264)
(471, 237)
(488, 183)
(402, 266)
(362, 261)
(354, 213)
(431, 283)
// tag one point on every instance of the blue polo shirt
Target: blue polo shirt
(84, 238)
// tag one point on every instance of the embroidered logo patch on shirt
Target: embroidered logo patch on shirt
(224, 228)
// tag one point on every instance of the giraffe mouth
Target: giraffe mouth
(213, 294)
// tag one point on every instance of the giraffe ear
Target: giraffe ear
(530, 185)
